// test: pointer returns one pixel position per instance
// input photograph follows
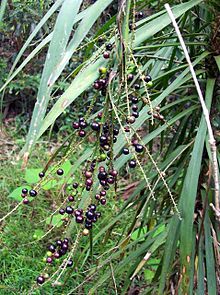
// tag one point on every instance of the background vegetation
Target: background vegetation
(157, 233)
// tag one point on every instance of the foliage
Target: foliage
(163, 238)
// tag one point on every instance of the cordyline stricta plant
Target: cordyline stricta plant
(146, 127)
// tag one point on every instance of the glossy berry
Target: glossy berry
(59, 243)
(134, 99)
(25, 201)
(41, 174)
(113, 173)
(88, 226)
(62, 252)
(82, 124)
(101, 169)
(32, 193)
(97, 197)
(88, 188)
(69, 210)
(61, 211)
(56, 255)
(79, 219)
(134, 107)
(49, 260)
(110, 180)
(95, 126)
(130, 119)
(103, 193)
(75, 185)
(76, 125)
(127, 129)
(96, 86)
(98, 214)
(109, 46)
(125, 151)
(135, 114)
(69, 263)
(103, 139)
(40, 280)
(115, 131)
(92, 207)
(64, 246)
(102, 175)
(66, 240)
(78, 212)
(99, 115)
(137, 86)
(106, 54)
(94, 218)
(24, 191)
(89, 182)
(130, 77)
(60, 172)
(132, 163)
(70, 198)
(139, 148)
(103, 201)
(52, 248)
(90, 215)
(147, 78)
(140, 14)
(82, 133)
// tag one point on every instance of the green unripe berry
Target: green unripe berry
(49, 254)
(102, 157)
(102, 70)
(149, 84)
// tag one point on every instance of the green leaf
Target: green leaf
(32, 175)
(138, 234)
(16, 194)
(55, 220)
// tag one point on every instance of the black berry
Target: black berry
(60, 172)
(32, 193)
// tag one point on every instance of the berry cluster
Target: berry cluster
(24, 195)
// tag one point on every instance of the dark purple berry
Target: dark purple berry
(94, 218)
(82, 133)
(78, 212)
(137, 86)
(56, 255)
(132, 163)
(125, 151)
(88, 188)
(102, 193)
(95, 126)
(41, 174)
(135, 114)
(139, 148)
(106, 54)
(92, 207)
(70, 198)
(24, 191)
(103, 139)
(89, 215)
(109, 46)
(79, 219)
(62, 252)
(103, 182)
(102, 175)
(140, 14)
(147, 78)
(75, 185)
(115, 131)
(134, 99)
(97, 197)
(69, 263)
(40, 280)
(76, 125)
(59, 243)
(113, 173)
(52, 248)
(61, 211)
(110, 180)
(64, 246)
(66, 240)
(130, 77)
(103, 201)
(89, 182)
(60, 172)
(32, 193)
(82, 124)
(69, 210)
(96, 86)
(25, 201)
(88, 225)
(98, 214)
(134, 108)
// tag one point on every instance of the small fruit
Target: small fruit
(139, 148)
(41, 174)
(40, 280)
(102, 70)
(134, 107)
(85, 232)
(109, 46)
(102, 157)
(79, 219)
(103, 201)
(49, 260)
(95, 126)
(130, 119)
(61, 211)
(76, 125)
(125, 151)
(102, 175)
(137, 86)
(75, 185)
(69, 210)
(69, 263)
(134, 99)
(106, 54)
(70, 198)
(96, 86)
(82, 124)
(82, 133)
(25, 201)
(59, 243)
(132, 163)
(135, 114)
(52, 248)
(89, 215)
(60, 172)
(32, 193)
(149, 84)
(147, 78)
(130, 77)
(92, 207)
(24, 191)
